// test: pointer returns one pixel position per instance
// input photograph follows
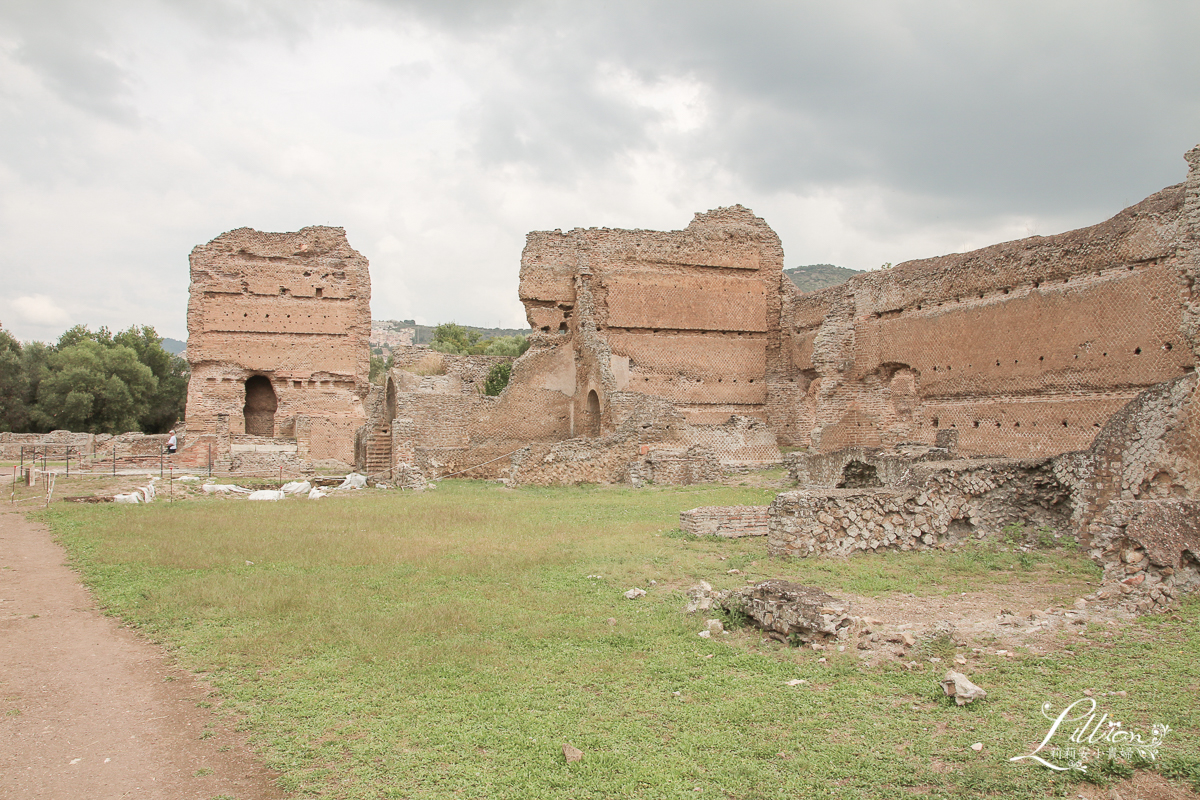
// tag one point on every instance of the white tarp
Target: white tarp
(223, 488)
(354, 481)
(132, 497)
(315, 494)
(267, 494)
(296, 487)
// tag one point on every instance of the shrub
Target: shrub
(497, 378)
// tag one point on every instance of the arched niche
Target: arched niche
(261, 403)
(591, 416)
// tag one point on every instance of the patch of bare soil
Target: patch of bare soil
(89, 710)
(999, 619)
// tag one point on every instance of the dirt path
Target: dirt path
(88, 710)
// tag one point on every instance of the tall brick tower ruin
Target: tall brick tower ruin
(278, 330)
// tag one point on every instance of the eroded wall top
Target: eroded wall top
(298, 302)
(691, 316)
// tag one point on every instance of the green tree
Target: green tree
(95, 388)
(380, 367)
(14, 385)
(454, 339)
(79, 333)
(507, 346)
(35, 357)
(172, 373)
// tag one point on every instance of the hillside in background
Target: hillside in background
(173, 346)
(819, 276)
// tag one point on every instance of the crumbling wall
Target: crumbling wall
(1024, 348)
(1149, 550)
(859, 467)
(937, 504)
(690, 317)
(279, 322)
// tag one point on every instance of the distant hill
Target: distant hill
(819, 276)
(173, 345)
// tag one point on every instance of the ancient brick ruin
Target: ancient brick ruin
(278, 325)
(685, 353)
(1044, 383)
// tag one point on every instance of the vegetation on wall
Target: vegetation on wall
(91, 381)
(497, 378)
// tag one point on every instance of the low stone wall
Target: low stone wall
(677, 467)
(953, 501)
(730, 522)
(89, 446)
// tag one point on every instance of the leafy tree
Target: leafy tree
(172, 372)
(35, 359)
(79, 333)
(506, 346)
(95, 388)
(454, 339)
(497, 378)
(380, 367)
(14, 385)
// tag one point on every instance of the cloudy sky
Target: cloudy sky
(438, 132)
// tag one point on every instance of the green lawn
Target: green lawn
(448, 644)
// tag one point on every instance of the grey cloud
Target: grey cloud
(990, 109)
(64, 43)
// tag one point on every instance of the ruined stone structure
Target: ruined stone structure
(677, 356)
(652, 359)
(278, 325)
(1129, 498)
(1023, 348)
(653, 350)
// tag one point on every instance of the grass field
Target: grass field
(448, 644)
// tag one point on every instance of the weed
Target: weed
(1046, 538)
(940, 646)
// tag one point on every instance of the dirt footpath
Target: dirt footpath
(88, 710)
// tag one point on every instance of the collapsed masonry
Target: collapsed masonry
(652, 359)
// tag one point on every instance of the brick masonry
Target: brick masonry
(278, 329)
(729, 522)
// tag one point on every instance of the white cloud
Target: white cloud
(39, 310)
